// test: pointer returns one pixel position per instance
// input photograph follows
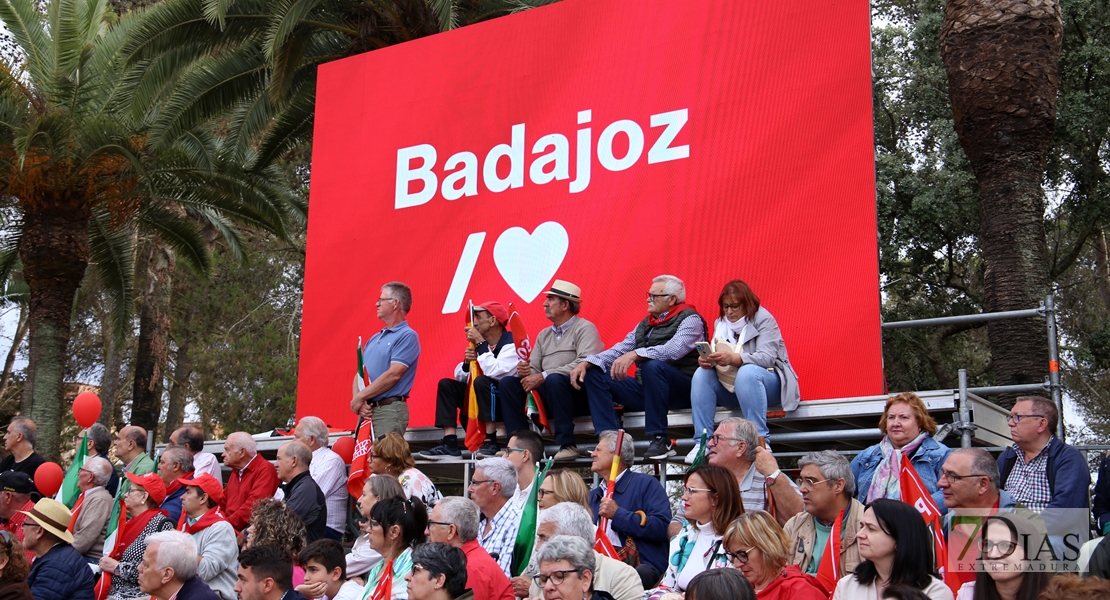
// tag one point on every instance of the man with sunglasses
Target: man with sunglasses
(59, 572)
(524, 450)
(662, 347)
(390, 358)
(454, 521)
(828, 492)
(1038, 470)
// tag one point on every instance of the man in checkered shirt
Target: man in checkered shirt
(1040, 471)
(492, 488)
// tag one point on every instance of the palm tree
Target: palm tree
(1001, 58)
(83, 175)
(261, 57)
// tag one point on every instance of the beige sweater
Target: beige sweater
(552, 355)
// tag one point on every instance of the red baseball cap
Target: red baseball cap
(496, 309)
(152, 483)
(207, 484)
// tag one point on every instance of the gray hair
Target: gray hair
(672, 286)
(628, 449)
(833, 466)
(401, 292)
(384, 486)
(180, 457)
(100, 468)
(243, 441)
(983, 462)
(26, 427)
(315, 428)
(176, 550)
(299, 450)
(745, 431)
(100, 438)
(502, 471)
(570, 518)
(463, 513)
(575, 550)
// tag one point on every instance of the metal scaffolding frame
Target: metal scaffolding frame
(1046, 311)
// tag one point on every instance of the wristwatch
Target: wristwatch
(773, 477)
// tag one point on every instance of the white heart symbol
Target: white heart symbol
(528, 261)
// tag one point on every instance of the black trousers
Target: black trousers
(451, 401)
(560, 399)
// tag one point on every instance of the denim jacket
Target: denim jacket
(928, 461)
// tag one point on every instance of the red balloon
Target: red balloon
(345, 448)
(86, 409)
(48, 478)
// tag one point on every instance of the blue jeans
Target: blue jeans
(664, 388)
(756, 389)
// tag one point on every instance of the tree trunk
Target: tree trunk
(154, 327)
(1001, 59)
(110, 380)
(17, 341)
(1102, 269)
(182, 371)
(55, 254)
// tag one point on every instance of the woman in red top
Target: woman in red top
(759, 548)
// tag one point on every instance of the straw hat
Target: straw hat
(52, 516)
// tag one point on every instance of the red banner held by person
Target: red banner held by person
(828, 570)
(534, 404)
(917, 495)
(602, 543)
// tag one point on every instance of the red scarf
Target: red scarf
(173, 487)
(828, 570)
(205, 521)
(134, 527)
(384, 589)
(76, 511)
(656, 321)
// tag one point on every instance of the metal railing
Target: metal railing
(1047, 311)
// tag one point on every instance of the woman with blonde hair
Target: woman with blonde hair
(757, 546)
(391, 456)
(14, 569)
(563, 485)
(907, 430)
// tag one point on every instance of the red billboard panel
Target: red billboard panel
(603, 142)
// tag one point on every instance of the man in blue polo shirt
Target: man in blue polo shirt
(390, 358)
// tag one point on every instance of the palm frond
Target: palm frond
(28, 27)
(112, 254)
(180, 235)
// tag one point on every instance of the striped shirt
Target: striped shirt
(690, 332)
(501, 538)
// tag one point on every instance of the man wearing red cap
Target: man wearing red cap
(215, 537)
(495, 354)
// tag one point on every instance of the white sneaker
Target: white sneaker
(692, 455)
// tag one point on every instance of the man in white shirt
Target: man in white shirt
(328, 471)
(192, 439)
(524, 449)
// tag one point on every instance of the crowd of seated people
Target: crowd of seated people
(741, 529)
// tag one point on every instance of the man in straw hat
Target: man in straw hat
(558, 349)
(492, 348)
(59, 572)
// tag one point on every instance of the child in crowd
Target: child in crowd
(325, 572)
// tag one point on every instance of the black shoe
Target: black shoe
(660, 448)
(488, 450)
(441, 452)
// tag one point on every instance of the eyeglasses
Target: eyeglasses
(954, 477)
(508, 449)
(808, 482)
(384, 300)
(1003, 548)
(430, 523)
(416, 567)
(716, 439)
(731, 306)
(692, 490)
(740, 556)
(651, 297)
(555, 577)
(540, 493)
(475, 482)
(1017, 418)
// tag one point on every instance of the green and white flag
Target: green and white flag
(526, 535)
(69, 493)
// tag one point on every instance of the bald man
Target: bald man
(252, 478)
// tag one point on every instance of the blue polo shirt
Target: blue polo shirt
(397, 344)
